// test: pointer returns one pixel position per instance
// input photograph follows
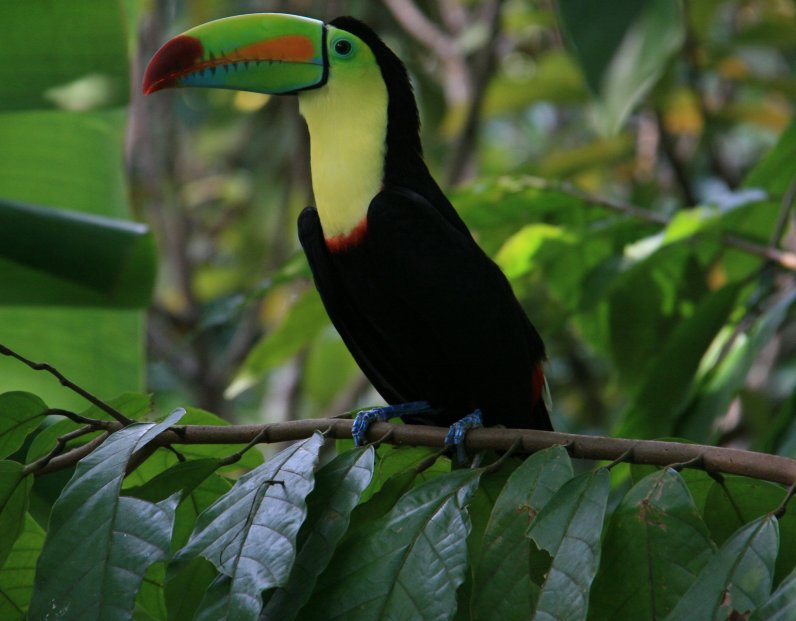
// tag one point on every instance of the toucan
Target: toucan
(428, 316)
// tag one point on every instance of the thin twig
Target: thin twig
(60, 445)
(40, 366)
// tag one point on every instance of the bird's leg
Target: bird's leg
(366, 418)
(459, 429)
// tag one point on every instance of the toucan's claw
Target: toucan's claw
(365, 418)
(459, 429)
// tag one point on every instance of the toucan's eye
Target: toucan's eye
(343, 47)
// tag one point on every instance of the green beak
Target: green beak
(261, 52)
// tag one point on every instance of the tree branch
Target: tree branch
(651, 452)
(39, 366)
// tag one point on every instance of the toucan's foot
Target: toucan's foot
(366, 418)
(459, 429)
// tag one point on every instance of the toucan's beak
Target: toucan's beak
(261, 52)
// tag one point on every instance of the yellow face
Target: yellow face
(347, 120)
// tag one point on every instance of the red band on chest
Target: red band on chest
(341, 243)
(537, 383)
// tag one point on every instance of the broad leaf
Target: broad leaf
(502, 586)
(738, 578)
(407, 564)
(665, 391)
(20, 414)
(249, 534)
(73, 258)
(569, 527)
(17, 573)
(655, 546)
(781, 606)
(14, 493)
(622, 51)
(337, 490)
(99, 545)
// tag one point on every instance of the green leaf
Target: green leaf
(14, 493)
(55, 256)
(337, 490)
(655, 545)
(723, 383)
(739, 500)
(569, 527)
(70, 161)
(307, 317)
(666, 389)
(20, 414)
(774, 173)
(622, 51)
(249, 534)
(18, 571)
(502, 586)
(99, 545)
(382, 501)
(781, 606)
(408, 564)
(71, 55)
(738, 578)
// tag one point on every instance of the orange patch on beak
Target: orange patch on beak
(291, 48)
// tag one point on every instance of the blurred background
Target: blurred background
(631, 170)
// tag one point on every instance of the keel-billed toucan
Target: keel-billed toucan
(429, 318)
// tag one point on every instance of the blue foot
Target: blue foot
(459, 429)
(366, 418)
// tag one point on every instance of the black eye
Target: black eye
(343, 47)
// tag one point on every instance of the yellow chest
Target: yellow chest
(347, 121)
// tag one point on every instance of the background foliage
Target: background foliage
(630, 170)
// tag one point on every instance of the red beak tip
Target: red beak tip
(175, 57)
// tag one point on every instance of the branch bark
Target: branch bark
(651, 452)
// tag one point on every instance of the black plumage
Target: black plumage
(427, 315)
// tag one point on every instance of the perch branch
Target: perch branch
(651, 452)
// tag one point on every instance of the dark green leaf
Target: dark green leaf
(14, 492)
(502, 586)
(667, 386)
(99, 545)
(622, 51)
(382, 501)
(249, 534)
(73, 258)
(655, 545)
(739, 500)
(738, 578)
(337, 490)
(17, 573)
(185, 588)
(406, 565)
(781, 606)
(20, 414)
(569, 527)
